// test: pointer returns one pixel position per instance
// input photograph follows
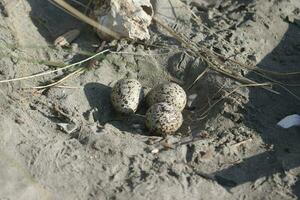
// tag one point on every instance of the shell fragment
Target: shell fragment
(289, 121)
(129, 18)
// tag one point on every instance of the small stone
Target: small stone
(155, 151)
(67, 128)
(67, 38)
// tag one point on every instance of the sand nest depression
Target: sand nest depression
(149, 99)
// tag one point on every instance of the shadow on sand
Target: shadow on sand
(263, 112)
(98, 96)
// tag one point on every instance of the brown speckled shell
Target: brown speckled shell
(170, 93)
(163, 119)
(126, 95)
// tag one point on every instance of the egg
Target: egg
(126, 95)
(170, 93)
(163, 119)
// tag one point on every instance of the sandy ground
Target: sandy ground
(102, 155)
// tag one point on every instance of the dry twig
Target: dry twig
(53, 71)
(76, 13)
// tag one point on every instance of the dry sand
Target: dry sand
(243, 156)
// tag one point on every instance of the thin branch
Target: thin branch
(79, 15)
(59, 81)
(53, 71)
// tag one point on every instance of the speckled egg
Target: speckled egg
(163, 119)
(170, 93)
(126, 95)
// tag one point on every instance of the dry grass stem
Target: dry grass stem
(242, 142)
(250, 67)
(78, 71)
(198, 77)
(230, 93)
(76, 13)
(213, 62)
(53, 71)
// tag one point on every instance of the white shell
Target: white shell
(126, 95)
(129, 18)
(170, 93)
(289, 121)
(162, 118)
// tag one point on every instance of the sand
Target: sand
(68, 143)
